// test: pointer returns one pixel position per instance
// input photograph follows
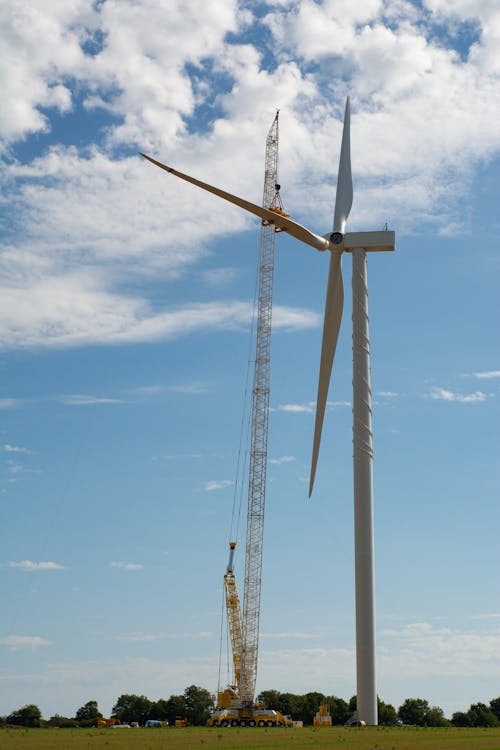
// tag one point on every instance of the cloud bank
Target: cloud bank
(196, 83)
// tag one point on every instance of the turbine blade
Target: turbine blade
(282, 222)
(333, 316)
(343, 198)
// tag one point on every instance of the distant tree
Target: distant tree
(271, 699)
(30, 711)
(130, 708)
(414, 711)
(461, 719)
(63, 722)
(417, 711)
(387, 714)
(435, 717)
(199, 701)
(303, 707)
(482, 716)
(27, 716)
(291, 705)
(495, 707)
(175, 708)
(88, 714)
(312, 702)
(339, 709)
(159, 710)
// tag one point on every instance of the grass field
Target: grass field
(368, 738)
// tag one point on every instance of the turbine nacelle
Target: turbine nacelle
(337, 242)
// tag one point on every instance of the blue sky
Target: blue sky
(125, 322)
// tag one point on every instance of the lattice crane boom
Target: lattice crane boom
(259, 433)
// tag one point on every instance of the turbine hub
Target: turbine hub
(336, 238)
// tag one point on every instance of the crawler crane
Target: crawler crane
(235, 705)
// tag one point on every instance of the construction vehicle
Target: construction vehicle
(255, 716)
(235, 704)
(232, 710)
(102, 722)
(322, 717)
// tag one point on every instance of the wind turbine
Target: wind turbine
(357, 243)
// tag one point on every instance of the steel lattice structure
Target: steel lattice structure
(258, 446)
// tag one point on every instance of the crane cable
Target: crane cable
(247, 406)
(241, 471)
(245, 428)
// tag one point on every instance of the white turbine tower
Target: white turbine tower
(358, 243)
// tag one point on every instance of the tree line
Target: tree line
(413, 711)
(196, 704)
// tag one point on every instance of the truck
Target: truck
(257, 715)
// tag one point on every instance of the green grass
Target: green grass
(368, 738)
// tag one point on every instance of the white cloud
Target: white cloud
(182, 456)
(487, 375)
(14, 449)
(51, 308)
(29, 565)
(310, 27)
(299, 636)
(22, 641)
(298, 408)
(442, 394)
(485, 53)
(137, 637)
(309, 407)
(307, 668)
(215, 484)
(427, 650)
(41, 47)
(414, 123)
(14, 468)
(219, 277)
(488, 616)
(82, 400)
(86, 221)
(189, 389)
(294, 318)
(193, 389)
(69, 679)
(139, 68)
(282, 460)
(8, 403)
(148, 637)
(153, 90)
(126, 565)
